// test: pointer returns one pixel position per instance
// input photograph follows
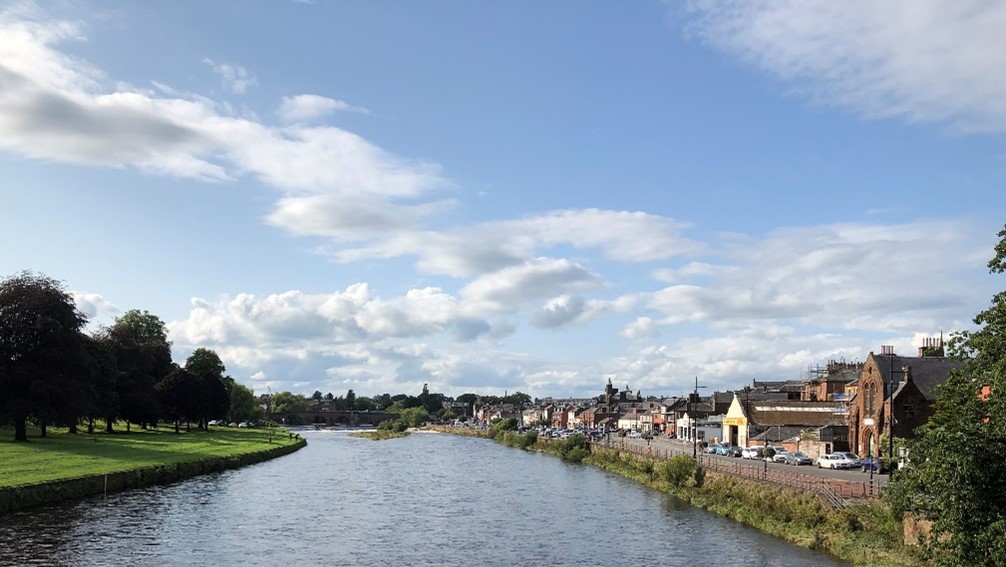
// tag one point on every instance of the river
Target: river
(426, 500)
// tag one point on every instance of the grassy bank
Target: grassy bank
(62, 456)
(379, 434)
(864, 535)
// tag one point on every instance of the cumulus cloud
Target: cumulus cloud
(96, 307)
(56, 107)
(235, 78)
(538, 278)
(622, 236)
(919, 60)
(308, 107)
(844, 275)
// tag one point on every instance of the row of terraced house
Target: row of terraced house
(842, 406)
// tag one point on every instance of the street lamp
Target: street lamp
(694, 428)
(890, 417)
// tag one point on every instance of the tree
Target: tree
(285, 402)
(316, 395)
(143, 356)
(175, 395)
(213, 395)
(351, 399)
(363, 403)
(958, 459)
(104, 372)
(42, 353)
(243, 406)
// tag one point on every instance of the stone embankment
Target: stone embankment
(15, 498)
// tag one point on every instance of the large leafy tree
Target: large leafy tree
(42, 353)
(287, 402)
(143, 356)
(177, 395)
(243, 405)
(958, 461)
(212, 393)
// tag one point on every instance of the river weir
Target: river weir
(428, 499)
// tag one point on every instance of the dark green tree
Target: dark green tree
(351, 399)
(42, 353)
(243, 405)
(958, 460)
(175, 396)
(363, 403)
(143, 356)
(213, 395)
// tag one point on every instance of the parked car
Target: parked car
(780, 455)
(871, 464)
(634, 435)
(833, 461)
(734, 451)
(710, 448)
(752, 452)
(854, 461)
(798, 459)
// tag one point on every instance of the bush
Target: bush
(576, 455)
(678, 469)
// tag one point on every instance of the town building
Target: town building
(896, 394)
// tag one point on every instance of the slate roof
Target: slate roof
(804, 414)
(927, 372)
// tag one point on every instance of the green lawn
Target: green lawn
(63, 456)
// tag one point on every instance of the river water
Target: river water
(427, 499)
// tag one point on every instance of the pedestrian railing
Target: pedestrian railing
(836, 492)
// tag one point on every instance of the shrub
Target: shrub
(678, 469)
(576, 455)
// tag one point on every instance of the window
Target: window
(908, 410)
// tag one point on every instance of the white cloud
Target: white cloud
(542, 277)
(235, 78)
(308, 107)
(848, 275)
(920, 60)
(641, 328)
(98, 309)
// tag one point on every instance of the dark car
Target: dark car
(871, 464)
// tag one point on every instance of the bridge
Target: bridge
(332, 417)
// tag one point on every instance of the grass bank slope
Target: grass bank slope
(66, 467)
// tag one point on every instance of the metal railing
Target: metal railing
(837, 493)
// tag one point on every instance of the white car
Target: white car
(752, 453)
(833, 461)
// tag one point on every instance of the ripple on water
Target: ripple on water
(421, 500)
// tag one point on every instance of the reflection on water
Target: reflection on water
(426, 499)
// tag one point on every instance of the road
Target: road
(663, 448)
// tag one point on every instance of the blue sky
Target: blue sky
(509, 196)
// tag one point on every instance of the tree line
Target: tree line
(53, 373)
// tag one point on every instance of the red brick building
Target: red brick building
(902, 386)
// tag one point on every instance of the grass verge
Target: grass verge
(62, 456)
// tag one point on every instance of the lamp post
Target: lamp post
(694, 427)
(890, 416)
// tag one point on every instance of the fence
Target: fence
(836, 492)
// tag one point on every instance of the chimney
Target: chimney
(931, 347)
(886, 350)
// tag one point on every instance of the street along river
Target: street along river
(428, 499)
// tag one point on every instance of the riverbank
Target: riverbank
(379, 434)
(62, 466)
(863, 535)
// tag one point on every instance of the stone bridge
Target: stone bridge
(333, 417)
